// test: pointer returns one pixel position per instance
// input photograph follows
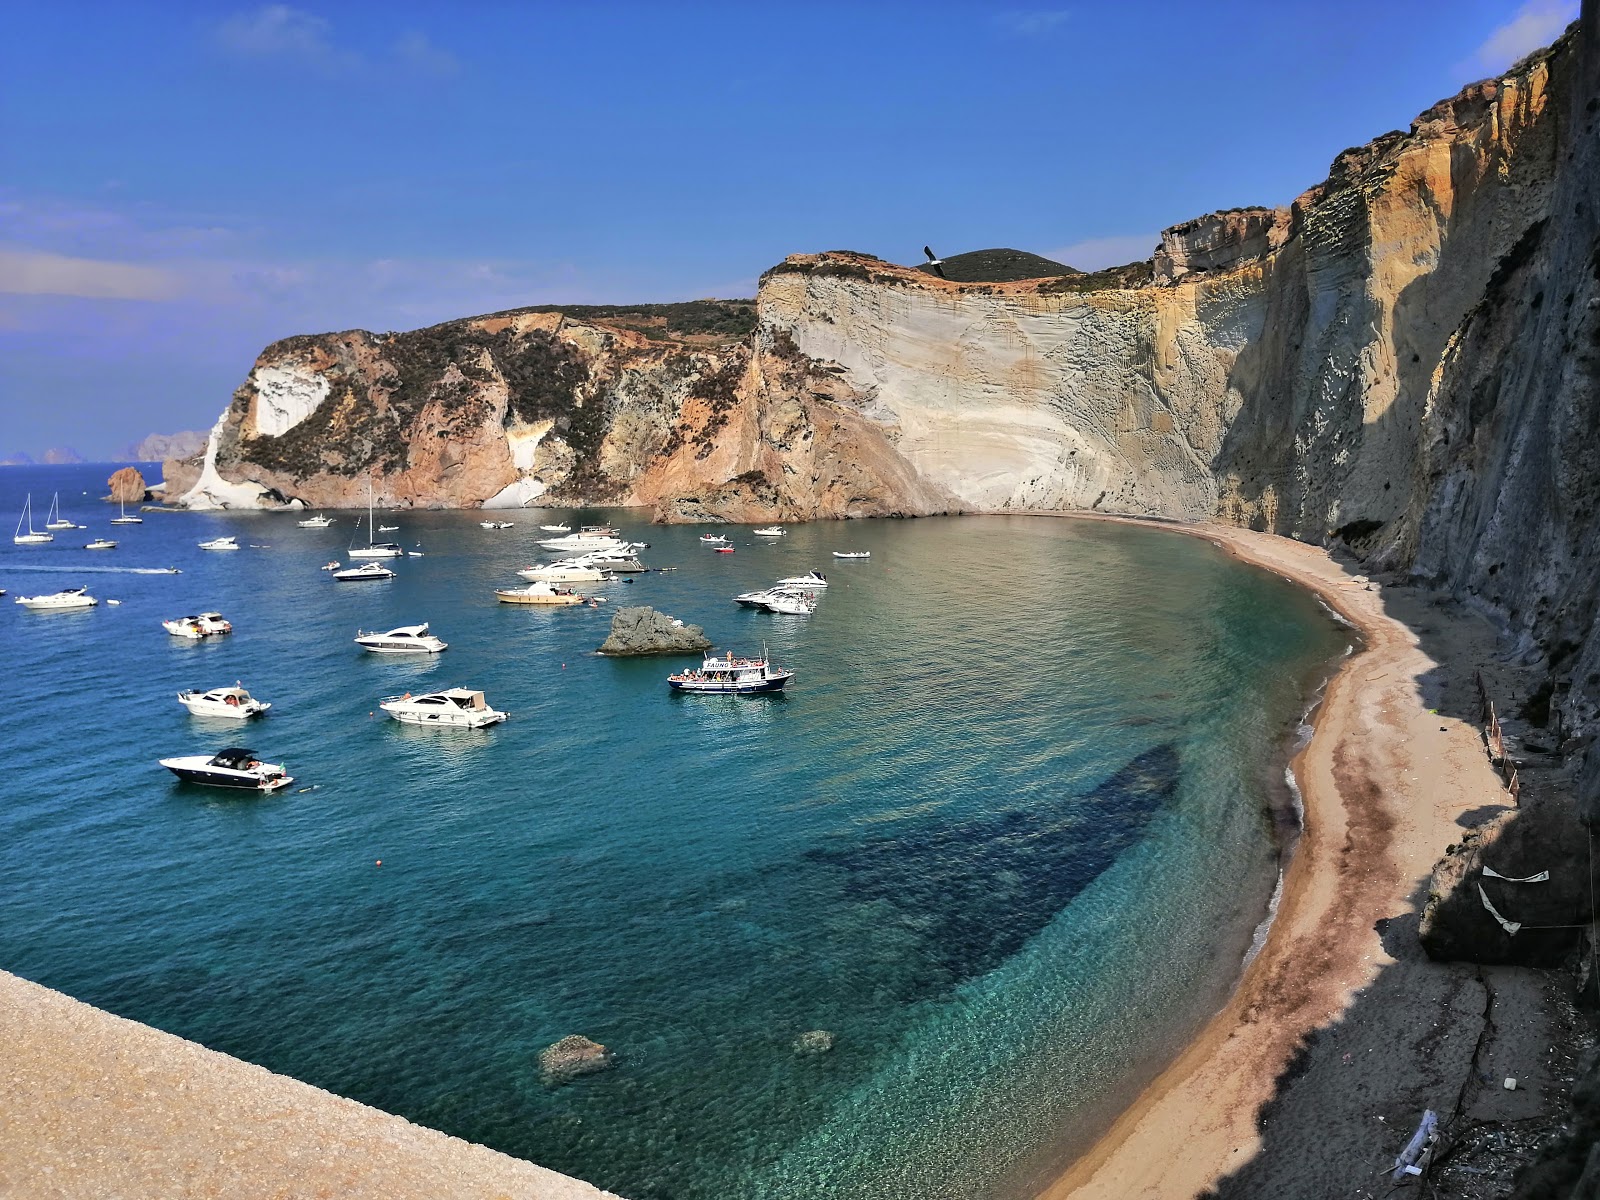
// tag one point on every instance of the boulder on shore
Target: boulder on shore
(645, 631)
(572, 1056)
(127, 486)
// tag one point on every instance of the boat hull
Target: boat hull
(446, 720)
(552, 601)
(401, 648)
(236, 780)
(706, 687)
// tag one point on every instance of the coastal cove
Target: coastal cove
(1006, 947)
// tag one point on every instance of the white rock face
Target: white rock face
(285, 396)
(211, 491)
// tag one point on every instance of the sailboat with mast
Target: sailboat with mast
(374, 549)
(55, 520)
(125, 519)
(33, 537)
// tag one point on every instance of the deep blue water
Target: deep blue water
(1005, 837)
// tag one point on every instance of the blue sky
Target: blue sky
(181, 184)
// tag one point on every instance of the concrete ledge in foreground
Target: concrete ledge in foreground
(95, 1105)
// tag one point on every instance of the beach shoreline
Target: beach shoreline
(1375, 821)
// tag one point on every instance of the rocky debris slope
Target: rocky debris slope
(643, 630)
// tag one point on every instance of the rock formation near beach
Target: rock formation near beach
(572, 1056)
(127, 486)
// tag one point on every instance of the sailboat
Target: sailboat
(55, 520)
(33, 537)
(374, 549)
(125, 519)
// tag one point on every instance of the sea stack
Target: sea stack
(127, 486)
(636, 631)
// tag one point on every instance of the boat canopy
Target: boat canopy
(466, 698)
(235, 758)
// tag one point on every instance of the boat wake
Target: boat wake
(95, 570)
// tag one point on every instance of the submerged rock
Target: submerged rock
(813, 1041)
(571, 1057)
(645, 631)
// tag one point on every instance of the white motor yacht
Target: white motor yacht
(564, 571)
(205, 625)
(232, 702)
(403, 639)
(755, 599)
(769, 531)
(540, 593)
(793, 604)
(462, 708)
(581, 543)
(101, 544)
(496, 524)
(234, 767)
(853, 554)
(34, 537)
(727, 675)
(811, 581)
(363, 573)
(317, 522)
(221, 543)
(58, 601)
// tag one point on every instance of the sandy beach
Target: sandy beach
(1315, 1074)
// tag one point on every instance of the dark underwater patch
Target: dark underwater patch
(972, 893)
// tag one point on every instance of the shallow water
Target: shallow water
(1005, 838)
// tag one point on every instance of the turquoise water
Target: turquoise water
(1007, 837)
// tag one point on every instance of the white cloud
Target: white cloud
(1094, 254)
(1537, 23)
(278, 30)
(1032, 22)
(25, 272)
(414, 50)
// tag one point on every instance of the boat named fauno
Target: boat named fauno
(234, 767)
(729, 675)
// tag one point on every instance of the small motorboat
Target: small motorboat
(462, 708)
(713, 539)
(221, 543)
(403, 639)
(810, 581)
(723, 549)
(101, 544)
(769, 531)
(234, 767)
(729, 675)
(539, 593)
(317, 522)
(205, 625)
(388, 529)
(71, 598)
(331, 566)
(566, 571)
(852, 554)
(496, 524)
(556, 528)
(363, 573)
(232, 702)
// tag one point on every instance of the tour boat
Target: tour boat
(556, 528)
(101, 544)
(728, 675)
(77, 597)
(403, 639)
(713, 539)
(221, 543)
(539, 593)
(769, 531)
(33, 537)
(459, 707)
(234, 767)
(366, 571)
(123, 518)
(55, 520)
(232, 702)
(792, 604)
(811, 580)
(565, 571)
(852, 554)
(209, 624)
(317, 522)
(373, 549)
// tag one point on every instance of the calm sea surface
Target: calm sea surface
(1006, 837)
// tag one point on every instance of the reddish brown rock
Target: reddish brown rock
(127, 486)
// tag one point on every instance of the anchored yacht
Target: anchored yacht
(317, 522)
(403, 639)
(101, 544)
(232, 702)
(539, 593)
(363, 573)
(206, 625)
(564, 571)
(221, 543)
(71, 598)
(463, 708)
(810, 581)
(234, 767)
(34, 537)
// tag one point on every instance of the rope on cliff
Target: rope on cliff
(1541, 877)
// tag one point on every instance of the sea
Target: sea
(1007, 839)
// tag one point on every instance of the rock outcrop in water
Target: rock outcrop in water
(571, 1057)
(127, 486)
(643, 630)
